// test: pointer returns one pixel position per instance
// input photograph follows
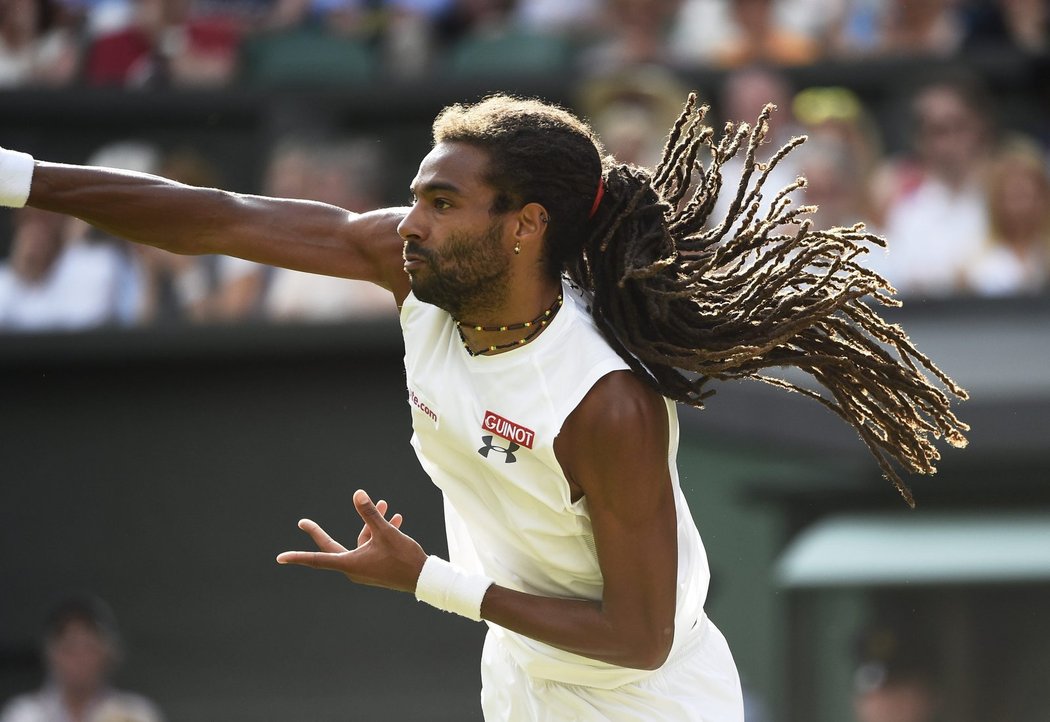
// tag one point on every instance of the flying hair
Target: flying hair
(685, 297)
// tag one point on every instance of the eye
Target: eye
(442, 204)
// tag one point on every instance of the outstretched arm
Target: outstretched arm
(302, 235)
(614, 449)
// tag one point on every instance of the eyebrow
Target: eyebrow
(436, 186)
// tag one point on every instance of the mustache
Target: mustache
(414, 249)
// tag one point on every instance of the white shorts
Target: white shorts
(699, 684)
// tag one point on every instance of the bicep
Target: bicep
(323, 239)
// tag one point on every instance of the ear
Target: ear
(531, 224)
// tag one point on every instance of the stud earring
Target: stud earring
(543, 218)
(517, 248)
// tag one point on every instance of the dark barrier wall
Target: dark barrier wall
(165, 471)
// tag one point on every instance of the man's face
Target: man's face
(457, 253)
(79, 658)
(950, 135)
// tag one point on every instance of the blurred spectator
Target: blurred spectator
(165, 44)
(838, 113)
(894, 677)
(178, 288)
(744, 94)
(49, 285)
(81, 648)
(835, 182)
(484, 37)
(704, 28)
(633, 32)
(558, 16)
(999, 24)
(36, 48)
(936, 217)
(632, 109)
(137, 157)
(348, 175)
(898, 27)
(757, 36)
(1016, 257)
(241, 286)
(312, 42)
(837, 161)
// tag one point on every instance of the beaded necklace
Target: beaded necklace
(535, 326)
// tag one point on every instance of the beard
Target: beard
(466, 277)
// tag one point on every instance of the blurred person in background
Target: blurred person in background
(936, 216)
(706, 28)
(744, 94)
(894, 677)
(1019, 24)
(136, 156)
(81, 649)
(165, 43)
(178, 288)
(835, 183)
(36, 46)
(1016, 256)
(898, 28)
(348, 175)
(838, 160)
(837, 113)
(47, 284)
(632, 32)
(631, 108)
(577, 17)
(756, 35)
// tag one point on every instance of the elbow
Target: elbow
(651, 652)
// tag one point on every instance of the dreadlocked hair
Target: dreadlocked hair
(685, 298)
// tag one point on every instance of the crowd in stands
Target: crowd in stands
(966, 206)
(141, 43)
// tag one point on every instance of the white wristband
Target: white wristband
(450, 589)
(16, 175)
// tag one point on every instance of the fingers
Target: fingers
(314, 560)
(327, 558)
(371, 516)
(374, 517)
(320, 537)
(366, 533)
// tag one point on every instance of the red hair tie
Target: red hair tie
(597, 198)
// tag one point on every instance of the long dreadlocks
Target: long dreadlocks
(685, 298)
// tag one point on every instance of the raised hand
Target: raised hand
(384, 556)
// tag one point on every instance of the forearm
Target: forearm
(176, 217)
(587, 628)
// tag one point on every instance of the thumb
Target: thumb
(368, 512)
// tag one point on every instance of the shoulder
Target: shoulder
(619, 401)
(23, 708)
(129, 706)
(621, 416)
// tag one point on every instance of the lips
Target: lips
(413, 259)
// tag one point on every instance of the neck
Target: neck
(528, 306)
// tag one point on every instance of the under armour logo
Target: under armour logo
(489, 446)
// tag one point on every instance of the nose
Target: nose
(409, 227)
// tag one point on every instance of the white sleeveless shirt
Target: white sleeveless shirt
(484, 430)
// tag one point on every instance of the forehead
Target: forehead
(459, 167)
